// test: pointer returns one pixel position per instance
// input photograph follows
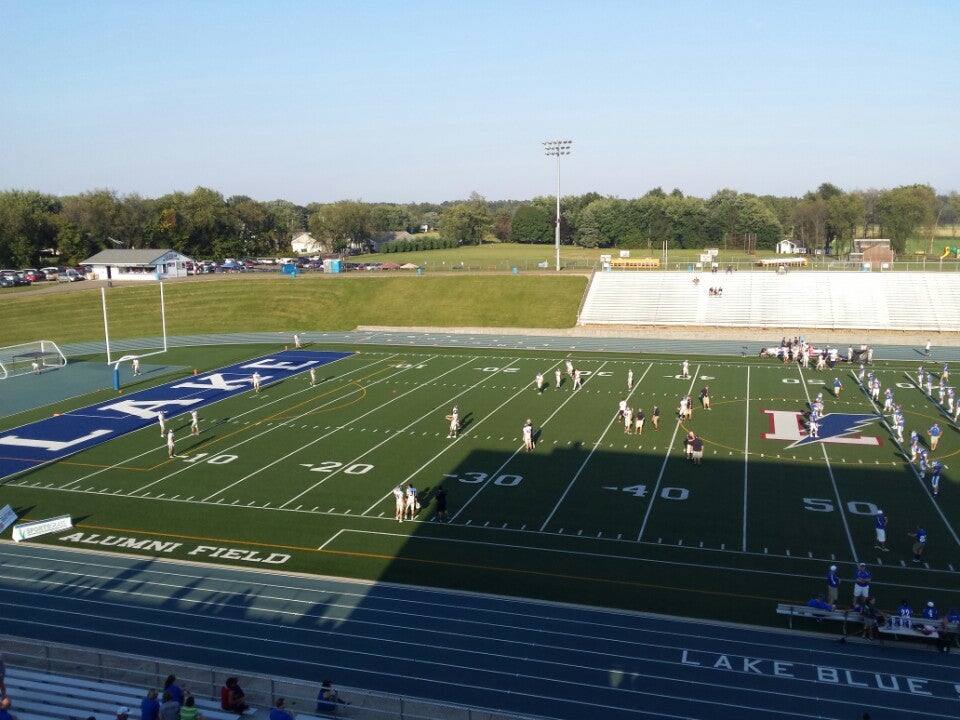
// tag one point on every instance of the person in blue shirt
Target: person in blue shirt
(919, 543)
(819, 603)
(914, 445)
(880, 521)
(833, 585)
(150, 706)
(176, 692)
(280, 712)
(934, 433)
(905, 613)
(837, 387)
(861, 583)
(930, 612)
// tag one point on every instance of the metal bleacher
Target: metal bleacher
(766, 299)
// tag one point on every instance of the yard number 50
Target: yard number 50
(856, 507)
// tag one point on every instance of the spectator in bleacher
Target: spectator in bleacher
(232, 696)
(329, 698)
(170, 686)
(189, 711)
(169, 708)
(280, 712)
(5, 713)
(150, 706)
(123, 712)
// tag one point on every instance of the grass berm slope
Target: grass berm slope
(252, 303)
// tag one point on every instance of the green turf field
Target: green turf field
(300, 478)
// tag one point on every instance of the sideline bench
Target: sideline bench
(805, 611)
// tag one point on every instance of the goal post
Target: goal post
(31, 357)
(126, 347)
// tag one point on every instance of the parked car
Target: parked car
(50, 272)
(16, 276)
(34, 275)
(6, 281)
(69, 275)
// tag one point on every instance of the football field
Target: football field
(301, 477)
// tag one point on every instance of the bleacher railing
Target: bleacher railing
(205, 682)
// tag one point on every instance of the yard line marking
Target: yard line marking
(833, 479)
(269, 429)
(666, 459)
(465, 433)
(916, 472)
(599, 440)
(746, 462)
(516, 452)
(332, 432)
(150, 428)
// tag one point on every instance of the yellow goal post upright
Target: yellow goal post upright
(116, 362)
(31, 357)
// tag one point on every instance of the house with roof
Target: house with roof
(139, 265)
(306, 244)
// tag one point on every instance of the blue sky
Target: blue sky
(425, 101)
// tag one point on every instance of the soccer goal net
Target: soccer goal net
(31, 357)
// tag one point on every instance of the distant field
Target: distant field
(304, 476)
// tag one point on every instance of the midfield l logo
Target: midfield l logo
(835, 428)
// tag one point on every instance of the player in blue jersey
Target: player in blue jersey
(929, 383)
(837, 387)
(880, 521)
(914, 445)
(905, 613)
(919, 543)
(861, 583)
(934, 433)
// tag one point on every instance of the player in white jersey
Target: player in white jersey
(194, 422)
(629, 379)
(558, 378)
(540, 383)
(577, 383)
(627, 420)
(528, 444)
(399, 496)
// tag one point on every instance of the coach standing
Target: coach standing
(833, 585)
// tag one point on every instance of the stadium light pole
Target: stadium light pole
(558, 148)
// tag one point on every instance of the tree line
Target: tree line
(203, 224)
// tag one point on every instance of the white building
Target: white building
(135, 265)
(305, 244)
(787, 247)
